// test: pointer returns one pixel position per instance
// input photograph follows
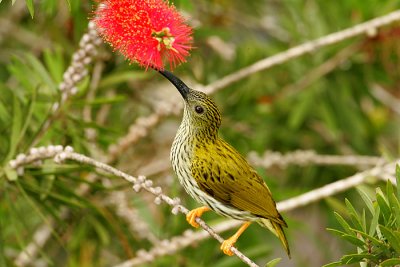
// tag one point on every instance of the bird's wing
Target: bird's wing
(224, 174)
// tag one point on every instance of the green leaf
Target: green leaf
(336, 232)
(19, 69)
(273, 263)
(373, 240)
(101, 101)
(355, 258)
(301, 109)
(374, 222)
(27, 116)
(15, 128)
(343, 223)
(54, 63)
(392, 237)
(383, 204)
(29, 4)
(390, 262)
(336, 205)
(69, 4)
(354, 240)
(398, 180)
(101, 231)
(367, 200)
(10, 173)
(46, 185)
(363, 220)
(40, 70)
(354, 216)
(389, 188)
(120, 77)
(333, 264)
(4, 113)
(395, 207)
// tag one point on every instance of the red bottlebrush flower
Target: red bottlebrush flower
(147, 31)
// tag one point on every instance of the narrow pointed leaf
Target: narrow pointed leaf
(273, 263)
(333, 264)
(374, 221)
(11, 174)
(389, 188)
(343, 223)
(373, 240)
(367, 200)
(395, 207)
(383, 204)
(392, 237)
(398, 181)
(41, 71)
(355, 258)
(29, 4)
(354, 216)
(354, 240)
(336, 232)
(15, 128)
(390, 262)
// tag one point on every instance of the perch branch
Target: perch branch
(60, 154)
(147, 123)
(167, 247)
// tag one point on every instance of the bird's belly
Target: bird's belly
(180, 159)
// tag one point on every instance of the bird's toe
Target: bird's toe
(227, 245)
(191, 218)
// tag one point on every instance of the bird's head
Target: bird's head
(200, 112)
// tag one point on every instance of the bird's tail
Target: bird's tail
(276, 228)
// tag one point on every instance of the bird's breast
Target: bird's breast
(181, 157)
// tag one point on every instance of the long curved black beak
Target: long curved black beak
(181, 86)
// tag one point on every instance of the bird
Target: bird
(215, 174)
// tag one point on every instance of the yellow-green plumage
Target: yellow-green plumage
(213, 172)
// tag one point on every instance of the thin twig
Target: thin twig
(389, 100)
(364, 28)
(138, 129)
(142, 182)
(307, 157)
(60, 154)
(90, 133)
(74, 74)
(168, 247)
(382, 172)
(314, 74)
(40, 237)
(136, 223)
(368, 27)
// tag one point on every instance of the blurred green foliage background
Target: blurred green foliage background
(323, 101)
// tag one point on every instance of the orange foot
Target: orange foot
(227, 245)
(193, 214)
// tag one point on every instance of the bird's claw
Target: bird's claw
(191, 218)
(193, 214)
(227, 245)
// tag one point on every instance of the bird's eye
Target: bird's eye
(199, 109)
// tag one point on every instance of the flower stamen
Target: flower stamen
(150, 32)
(164, 37)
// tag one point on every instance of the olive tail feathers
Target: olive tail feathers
(276, 228)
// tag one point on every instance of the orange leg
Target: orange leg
(193, 214)
(227, 244)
